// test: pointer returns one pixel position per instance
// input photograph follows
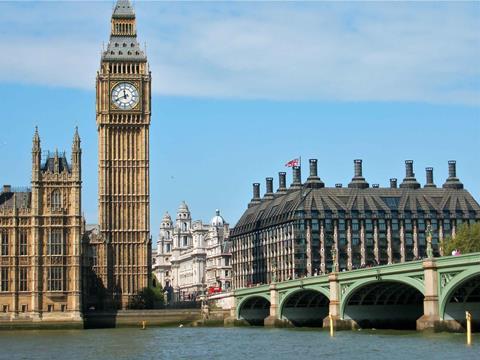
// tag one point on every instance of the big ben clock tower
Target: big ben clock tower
(123, 121)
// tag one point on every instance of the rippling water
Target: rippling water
(233, 343)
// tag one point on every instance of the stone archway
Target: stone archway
(384, 304)
(305, 307)
(462, 296)
(254, 310)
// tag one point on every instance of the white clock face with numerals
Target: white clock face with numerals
(125, 96)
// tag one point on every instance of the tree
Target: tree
(467, 239)
(148, 298)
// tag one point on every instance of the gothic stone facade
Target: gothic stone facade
(40, 236)
(192, 256)
(301, 230)
(123, 122)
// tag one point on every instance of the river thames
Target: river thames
(233, 343)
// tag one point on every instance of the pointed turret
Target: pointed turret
(36, 140)
(123, 43)
(123, 10)
(36, 155)
(76, 154)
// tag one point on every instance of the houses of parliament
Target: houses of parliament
(52, 267)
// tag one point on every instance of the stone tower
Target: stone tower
(123, 121)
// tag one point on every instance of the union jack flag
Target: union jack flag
(292, 163)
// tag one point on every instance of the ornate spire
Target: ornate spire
(123, 43)
(123, 10)
(36, 141)
(76, 141)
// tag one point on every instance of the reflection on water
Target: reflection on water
(233, 343)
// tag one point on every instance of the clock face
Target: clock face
(125, 96)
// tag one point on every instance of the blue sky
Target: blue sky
(240, 88)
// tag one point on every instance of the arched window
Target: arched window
(23, 244)
(55, 242)
(184, 226)
(4, 243)
(56, 200)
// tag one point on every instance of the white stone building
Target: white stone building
(192, 257)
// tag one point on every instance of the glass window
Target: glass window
(55, 278)
(23, 279)
(55, 242)
(23, 244)
(4, 247)
(4, 279)
(56, 200)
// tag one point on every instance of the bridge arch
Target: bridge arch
(390, 303)
(462, 294)
(305, 307)
(254, 309)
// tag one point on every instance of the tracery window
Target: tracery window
(4, 243)
(23, 244)
(56, 200)
(4, 279)
(23, 279)
(55, 242)
(55, 278)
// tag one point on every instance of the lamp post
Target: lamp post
(334, 260)
(429, 242)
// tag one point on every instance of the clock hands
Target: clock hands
(124, 96)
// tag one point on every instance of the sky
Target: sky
(240, 88)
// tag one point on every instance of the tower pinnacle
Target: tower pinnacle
(76, 140)
(36, 140)
(123, 44)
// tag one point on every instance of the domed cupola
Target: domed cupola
(183, 212)
(217, 220)
(166, 221)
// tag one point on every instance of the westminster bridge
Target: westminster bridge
(426, 294)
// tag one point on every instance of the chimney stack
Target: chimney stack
(358, 181)
(452, 169)
(269, 187)
(313, 180)
(256, 195)
(429, 176)
(393, 183)
(338, 185)
(452, 181)
(409, 169)
(282, 182)
(297, 177)
(358, 167)
(409, 182)
(375, 186)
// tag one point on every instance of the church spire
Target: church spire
(36, 141)
(123, 19)
(123, 44)
(76, 140)
(123, 10)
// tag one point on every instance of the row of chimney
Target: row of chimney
(358, 181)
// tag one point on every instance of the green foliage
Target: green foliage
(148, 298)
(467, 239)
(158, 291)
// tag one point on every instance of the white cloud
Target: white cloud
(300, 51)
